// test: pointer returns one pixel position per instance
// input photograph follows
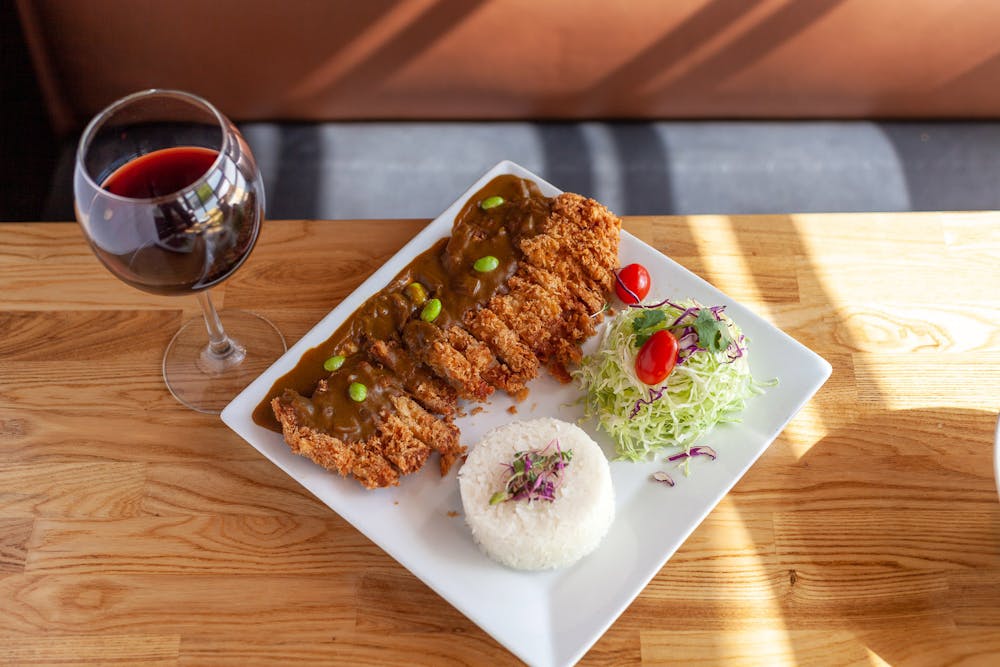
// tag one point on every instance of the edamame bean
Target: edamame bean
(431, 310)
(357, 391)
(333, 363)
(491, 202)
(486, 264)
(416, 293)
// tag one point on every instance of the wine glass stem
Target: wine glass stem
(218, 342)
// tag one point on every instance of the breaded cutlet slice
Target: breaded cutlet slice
(532, 312)
(576, 322)
(403, 440)
(578, 242)
(430, 391)
(482, 360)
(478, 354)
(518, 362)
(364, 460)
(440, 434)
(431, 346)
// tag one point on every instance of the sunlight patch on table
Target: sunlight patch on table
(959, 380)
(765, 606)
(875, 659)
(970, 232)
(726, 267)
(755, 645)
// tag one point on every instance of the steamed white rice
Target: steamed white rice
(538, 534)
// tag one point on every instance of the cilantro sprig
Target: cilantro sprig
(698, 328)
(713, 333)
(646, 324)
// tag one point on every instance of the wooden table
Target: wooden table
(134, 530)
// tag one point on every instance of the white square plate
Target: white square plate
(548, 618)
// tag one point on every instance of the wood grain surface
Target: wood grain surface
(133, 531)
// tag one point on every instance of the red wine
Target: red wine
(161, 172)
(177, 244)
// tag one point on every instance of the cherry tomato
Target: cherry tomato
(636, 278)
(656, 357)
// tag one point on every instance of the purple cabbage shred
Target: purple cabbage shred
(690, 311)
(665, 302)
(654, 395)
(701, 450)
(661, 476)
(622, 284)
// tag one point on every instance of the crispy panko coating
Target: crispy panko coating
(433, 347)
(429, 390)
(518, 364)
(364, 460)
(401, 445)
(556, 297)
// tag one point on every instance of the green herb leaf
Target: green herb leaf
(646, 324)
(713, 335)
(498, 497)
(647, 319)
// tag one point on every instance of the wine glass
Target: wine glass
(169, 196)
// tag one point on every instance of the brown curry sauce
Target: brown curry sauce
(446, 272)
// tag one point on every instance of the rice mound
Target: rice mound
(538, 534)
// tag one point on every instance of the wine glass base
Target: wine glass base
(205, 381)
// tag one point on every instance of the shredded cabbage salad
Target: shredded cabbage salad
(708, 386)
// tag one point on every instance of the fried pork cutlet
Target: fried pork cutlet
(434, 347)
(404, 438)
(362, 459)
(574, 324)
(518, 364)
(530, 311)
(566, 251)
(578, 242)
(429, 390)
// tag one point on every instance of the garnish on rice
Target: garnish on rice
(534, 474)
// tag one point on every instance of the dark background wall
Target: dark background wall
(27, 144)
(415, 168)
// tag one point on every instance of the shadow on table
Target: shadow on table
(891, 521)
(890, 545)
